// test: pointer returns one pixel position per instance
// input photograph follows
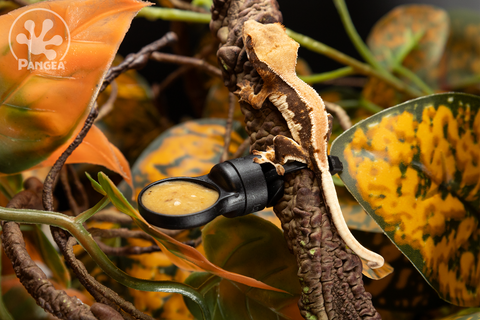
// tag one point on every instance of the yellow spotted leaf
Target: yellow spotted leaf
(415, 169)
(54, 55)
(188, 149)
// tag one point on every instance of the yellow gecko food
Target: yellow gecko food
(179, 197)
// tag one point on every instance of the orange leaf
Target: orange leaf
(54, 57)
(94, 149)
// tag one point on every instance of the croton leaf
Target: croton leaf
(54, 57)
(393, 38)
(188, 149)
(415, 169)
(413, 36)
(254, 247)
(180, 254)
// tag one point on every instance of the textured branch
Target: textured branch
(138, 60)
(339, 113)
(98, 291)
(57, 302)
(187, 61)
(330, 274)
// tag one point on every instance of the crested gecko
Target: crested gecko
(274, 55)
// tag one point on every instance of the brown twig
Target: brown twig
(179, 4)
(241, 149)
(138, 60)
(110, 215)
(108, 105)
(98, 291)
(80, 190)
(126, 251)
(68, 191)
(340, 114)
(182, 70)
(48, 185)
(186, 61)
(229, 125)
(121, 233)
(194, 243)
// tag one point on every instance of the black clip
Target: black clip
(334, 165)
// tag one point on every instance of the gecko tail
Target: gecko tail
(374, 260)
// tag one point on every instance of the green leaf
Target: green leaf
(415, 169)
(254, 247)
(96, 186)
(84, 216)
(50, 256)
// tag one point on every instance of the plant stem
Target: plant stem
(370, 106)
(84, 216)
(368, 56)
(469, 81)
(89, 244)
(408, 46)
(407, 73)
(355, 37)
(320, 77)
(154, 13)
(360, 67)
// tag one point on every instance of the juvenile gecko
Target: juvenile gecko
(273, 54)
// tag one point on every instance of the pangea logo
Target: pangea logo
(40, 51)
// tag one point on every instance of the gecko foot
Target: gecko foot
(268, 157)
(245, 91)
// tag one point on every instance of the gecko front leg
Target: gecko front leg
(246, 93)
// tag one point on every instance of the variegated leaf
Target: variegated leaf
(415, 168)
